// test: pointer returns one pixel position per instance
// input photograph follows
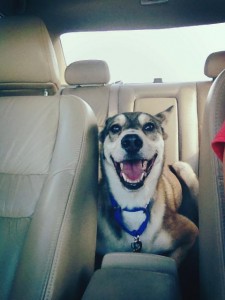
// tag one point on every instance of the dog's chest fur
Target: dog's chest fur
(155, 239)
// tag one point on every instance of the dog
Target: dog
(139, 194)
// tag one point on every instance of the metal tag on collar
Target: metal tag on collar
(136, 246)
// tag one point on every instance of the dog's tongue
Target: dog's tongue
(132, 170)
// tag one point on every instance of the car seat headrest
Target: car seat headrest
(214, 64)
(87, 72)
(27, 54)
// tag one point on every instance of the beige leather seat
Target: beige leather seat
(89, 79)
(28, 62)
(211, 199)
(134, 276)
(48, 173)
(214, 64)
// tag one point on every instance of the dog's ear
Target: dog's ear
(163, 116)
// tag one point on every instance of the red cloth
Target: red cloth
(218, 143)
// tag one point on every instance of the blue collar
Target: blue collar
(118, 216)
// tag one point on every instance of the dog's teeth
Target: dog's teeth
(144, 165)
(124, 176)
(121, 166)
(132, 181)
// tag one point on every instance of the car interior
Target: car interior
(50, 116)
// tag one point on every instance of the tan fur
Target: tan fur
(179, 227)
(172, 188)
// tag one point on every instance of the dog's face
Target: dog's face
(133, 144)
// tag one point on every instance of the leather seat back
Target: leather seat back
(29, 63)
(48, 175)
(211, 199)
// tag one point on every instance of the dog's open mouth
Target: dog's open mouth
(132, 173)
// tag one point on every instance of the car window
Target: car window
(176, 54)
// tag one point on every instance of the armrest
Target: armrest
(134, 276)
(148, 262)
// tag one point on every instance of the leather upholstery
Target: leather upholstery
(134, 276)
(188, 99)
(143, 261)
(48, 187)
(132, 284)
(214, 64)
(27, 57)
(183, 143)
(85, 72)
(211, 199)
(96, 96)
(89, 79)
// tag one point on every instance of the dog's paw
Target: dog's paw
(186, 173)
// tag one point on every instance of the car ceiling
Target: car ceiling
(88, 15)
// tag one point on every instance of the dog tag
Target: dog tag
(136, 246)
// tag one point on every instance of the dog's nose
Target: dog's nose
(132, 143)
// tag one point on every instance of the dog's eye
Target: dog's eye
(148, 127)
(115, 129)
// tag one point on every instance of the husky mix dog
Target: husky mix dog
(139, 194)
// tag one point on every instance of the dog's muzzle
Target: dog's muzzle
(133, 171)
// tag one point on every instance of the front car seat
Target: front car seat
(48, 173)
(211, 199)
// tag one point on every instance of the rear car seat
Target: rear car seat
(89, 79)
(185, 124)
(47, 200)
